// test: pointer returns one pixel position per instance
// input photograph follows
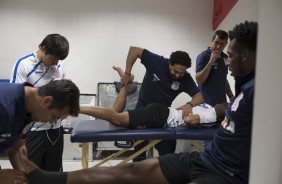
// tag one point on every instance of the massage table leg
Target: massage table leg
(197, 144)
(145, 148)
(120, 152)
(85, 155)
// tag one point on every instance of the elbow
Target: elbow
(136, 51)
(198, 79)
(200, 98)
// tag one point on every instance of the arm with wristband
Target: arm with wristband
(187, 108)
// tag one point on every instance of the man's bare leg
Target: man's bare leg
(120, 101)
(118, 119)
(147, 171)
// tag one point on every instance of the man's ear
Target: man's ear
(47, 101)
(245, 55)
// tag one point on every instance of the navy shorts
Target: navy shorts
(188, 167)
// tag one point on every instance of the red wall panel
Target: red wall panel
(220, 9)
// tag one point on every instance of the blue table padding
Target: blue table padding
(101, 130)
(4, 80)
(194, 133)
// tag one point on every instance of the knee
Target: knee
(118, 120)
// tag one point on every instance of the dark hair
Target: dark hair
(245, 34)
(56, 45)
(65, 94)
(221, 34)
(180, 58)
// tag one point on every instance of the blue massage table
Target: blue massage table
(4, 80)
(86, 131)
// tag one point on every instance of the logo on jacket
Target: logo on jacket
(215, 65)
(228, 125)
(56, 73)
(236, 102)
(175, 85)
(27, 127)
(156, 78)
(38, 72)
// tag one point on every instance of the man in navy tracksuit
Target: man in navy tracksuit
(20, 106)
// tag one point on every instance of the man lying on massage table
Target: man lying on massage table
(154, 115)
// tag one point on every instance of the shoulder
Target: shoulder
(188, 81)
(6, 86)
(248, 88)
(203, 56)
(205, 53)
(28, 60)
(187, 77)
(153, 60)
(11, 92)
(148, 54)
(28, 57)
(249, 85)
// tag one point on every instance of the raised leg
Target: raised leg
(120, 101)
(115, 115)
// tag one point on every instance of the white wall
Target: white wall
(266, 162)
(101, 31)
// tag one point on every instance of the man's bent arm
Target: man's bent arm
(133, 54)
(18, 157)
(197, 99)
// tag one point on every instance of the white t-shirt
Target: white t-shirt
(30, 69)
(205, 111)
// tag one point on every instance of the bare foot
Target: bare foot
(121, 72)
